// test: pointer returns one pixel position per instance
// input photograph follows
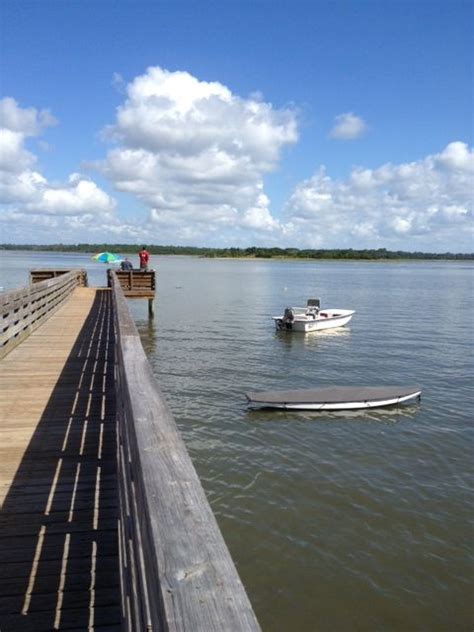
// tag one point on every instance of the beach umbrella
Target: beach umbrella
(107, 257)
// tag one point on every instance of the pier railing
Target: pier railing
(134, 283)
(176, 570)
(51, 273)
(24, 310)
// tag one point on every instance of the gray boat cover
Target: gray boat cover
(332, 394)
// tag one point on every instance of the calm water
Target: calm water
(357, 521)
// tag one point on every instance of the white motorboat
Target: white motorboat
(312, 318)
(334, 397)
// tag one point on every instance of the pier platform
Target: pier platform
(58, 526)
(104, 524)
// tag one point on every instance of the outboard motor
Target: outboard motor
(288, 318)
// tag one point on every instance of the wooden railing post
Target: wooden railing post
(22, 311)
(42, 274)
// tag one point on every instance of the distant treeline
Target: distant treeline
(261, 253)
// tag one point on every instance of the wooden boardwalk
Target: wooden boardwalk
(104, 523)
(59, 566)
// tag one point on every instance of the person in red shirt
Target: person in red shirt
(144, 258)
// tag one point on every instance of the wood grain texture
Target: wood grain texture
(23, 311)
(58, 484)
(50, 273)
(134, 283)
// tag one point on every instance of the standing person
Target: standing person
(144, 258)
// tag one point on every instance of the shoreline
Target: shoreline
(467, 258)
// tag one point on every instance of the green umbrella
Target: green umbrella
(107, 257)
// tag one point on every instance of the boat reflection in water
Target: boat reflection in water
(314, 339)
(389, 415)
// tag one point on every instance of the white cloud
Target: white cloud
(419, 205)
(27, 200)
(14, 158)
(457, 156)
(348, 126)
(24, 121)
(21, 227)
(79, 196)
(195, 155)
(20, 188)
(401, 225)
(258, 217)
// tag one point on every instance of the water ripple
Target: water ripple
(356, 520)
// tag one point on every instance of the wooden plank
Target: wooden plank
(71, 599)
(58, 527)
(69, 620)
(138, 294)
(22, 548)
(77, 565)
(134, 283)
(48, 273)
(73, 580)
(56, 520)
(108, 596)
(27, 315)
(23, 311)
(13, 299)
(62, 503)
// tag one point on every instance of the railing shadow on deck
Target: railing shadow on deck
(58, 525)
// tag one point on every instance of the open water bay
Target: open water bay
(343, 521)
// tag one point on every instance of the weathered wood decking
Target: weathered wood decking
(59, 564)
(135, 284)
(104, 524)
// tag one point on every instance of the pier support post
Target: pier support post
(151, 308)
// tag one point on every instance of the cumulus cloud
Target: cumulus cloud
(398, 206)
(348, 126)
(25, 194)
(24, 121)
(23, 227)
(14, 158)
(195, 154)
(79, 196)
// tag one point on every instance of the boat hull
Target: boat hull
(334, 398)
(327, 319)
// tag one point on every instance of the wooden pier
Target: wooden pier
(135, 284)
(104, 523)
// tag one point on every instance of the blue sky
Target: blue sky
(304, 124)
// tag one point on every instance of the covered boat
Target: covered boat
(334, 397)
(312, 318)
